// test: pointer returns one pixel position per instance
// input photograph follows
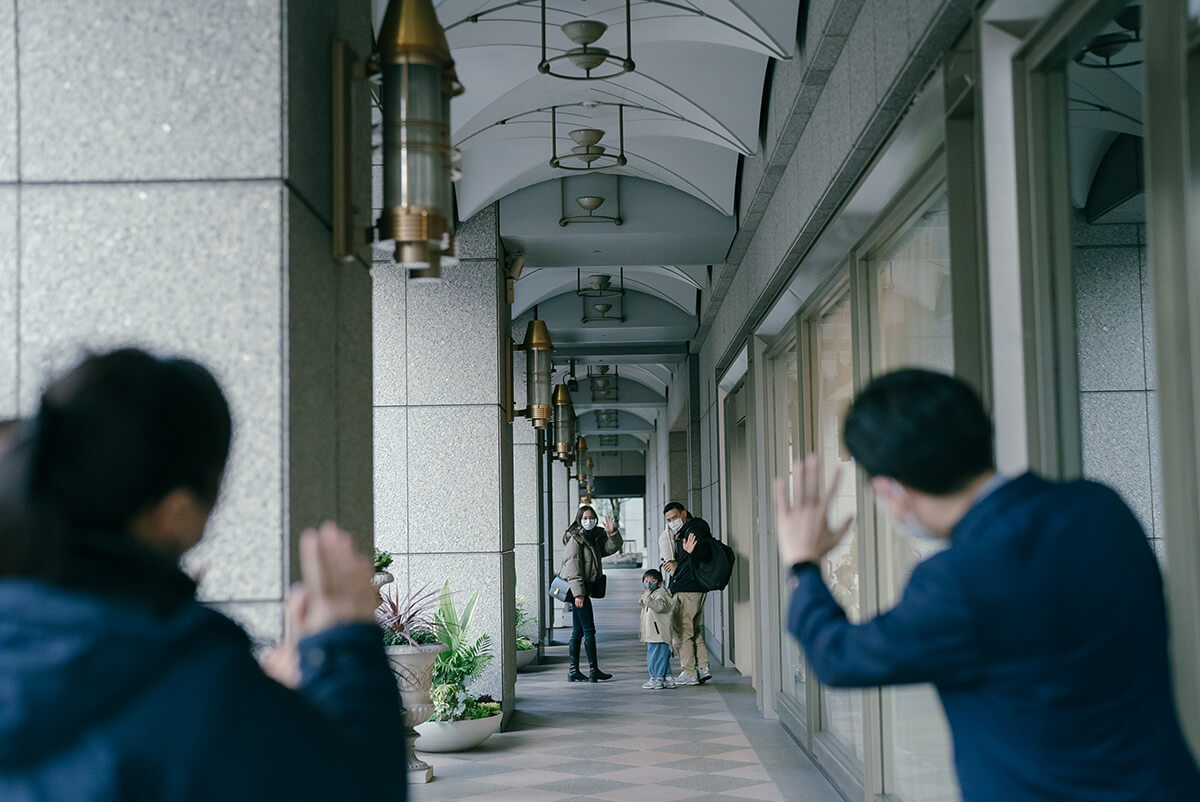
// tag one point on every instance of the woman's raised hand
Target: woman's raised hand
(610, 524)
(337, 583)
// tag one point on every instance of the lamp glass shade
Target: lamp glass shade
(416, 138)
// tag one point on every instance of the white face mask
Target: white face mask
(909, 525)
(675, 525)
(588, 524)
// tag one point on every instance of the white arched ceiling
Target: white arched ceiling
(692, 110)
(698, 83)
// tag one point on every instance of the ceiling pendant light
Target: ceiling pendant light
(588, 153)
(589, 203)
(586, 56)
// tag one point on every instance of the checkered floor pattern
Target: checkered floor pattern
(615, 741)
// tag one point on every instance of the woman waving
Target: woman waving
(586, 547)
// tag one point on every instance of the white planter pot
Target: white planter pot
(380, 579)
(456, 736)
(413, 667)
(525, 657)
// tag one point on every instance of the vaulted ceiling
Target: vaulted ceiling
(690, 110)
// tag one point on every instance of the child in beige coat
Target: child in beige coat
(658, 606)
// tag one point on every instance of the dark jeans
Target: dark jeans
(583, 621)
(583, 630)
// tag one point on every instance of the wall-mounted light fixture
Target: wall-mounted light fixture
(589, 203)
(413, 64)
(587, 56)
(588, 153)
(564, 424)
(538, 369)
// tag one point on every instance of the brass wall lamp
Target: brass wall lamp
(416, 74)
(538, 371)
(564, 424)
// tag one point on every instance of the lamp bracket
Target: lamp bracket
(350, 239)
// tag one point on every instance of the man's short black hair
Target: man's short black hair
(924, 429)
(654, 574)
(674, 505)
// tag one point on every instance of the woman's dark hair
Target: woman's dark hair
(674, 505)
(654, 574)
(576, 527)
(924, 429)
(111, 438)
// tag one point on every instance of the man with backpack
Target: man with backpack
(688, 548)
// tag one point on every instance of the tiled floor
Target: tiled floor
(615, 741)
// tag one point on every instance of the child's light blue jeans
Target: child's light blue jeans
(658, 660)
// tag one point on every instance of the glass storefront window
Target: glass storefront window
(912, 327)
(841, 709)
(786, 414)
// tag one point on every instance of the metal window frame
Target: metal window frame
(1173, 199)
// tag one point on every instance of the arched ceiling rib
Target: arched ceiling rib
(662, 281)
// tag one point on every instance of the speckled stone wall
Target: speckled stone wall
(159, 193)
(1117, 382)
(444, 449)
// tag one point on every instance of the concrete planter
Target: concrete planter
(457, 736)
(413, 667)
(525, 657)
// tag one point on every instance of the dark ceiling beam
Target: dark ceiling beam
(632, 353)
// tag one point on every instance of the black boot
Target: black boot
(573, 673)
(595, 675)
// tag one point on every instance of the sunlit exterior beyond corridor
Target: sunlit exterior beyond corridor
(537, 300)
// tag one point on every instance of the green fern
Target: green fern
(466, 659)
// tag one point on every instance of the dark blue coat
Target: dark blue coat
(1044, 629)
(104, 699)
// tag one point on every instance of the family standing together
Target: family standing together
(672, 605)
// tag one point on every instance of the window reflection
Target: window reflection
(913, 327)
(841, 709)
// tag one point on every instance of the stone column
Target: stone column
(172, 190)
(443, 444)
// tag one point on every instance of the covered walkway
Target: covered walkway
(615, 741)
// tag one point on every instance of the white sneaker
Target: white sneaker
(685, 678)
(668, 682)
(704, 675)
(653, 684)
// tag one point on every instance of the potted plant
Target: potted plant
(382, 576)
(461, 720)
(526, 646)
(412, 648)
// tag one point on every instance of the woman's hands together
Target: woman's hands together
(336, 589)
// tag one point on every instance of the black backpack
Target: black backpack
(714, 573)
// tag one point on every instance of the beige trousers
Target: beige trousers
(693, 653)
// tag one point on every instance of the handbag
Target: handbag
(560, 589)
(598, 588)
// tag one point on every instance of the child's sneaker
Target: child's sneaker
(668, 682)
(653, 684)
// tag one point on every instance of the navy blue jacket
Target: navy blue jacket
(1044, 629)
(112, 699)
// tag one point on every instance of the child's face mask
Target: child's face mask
(650, 584)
